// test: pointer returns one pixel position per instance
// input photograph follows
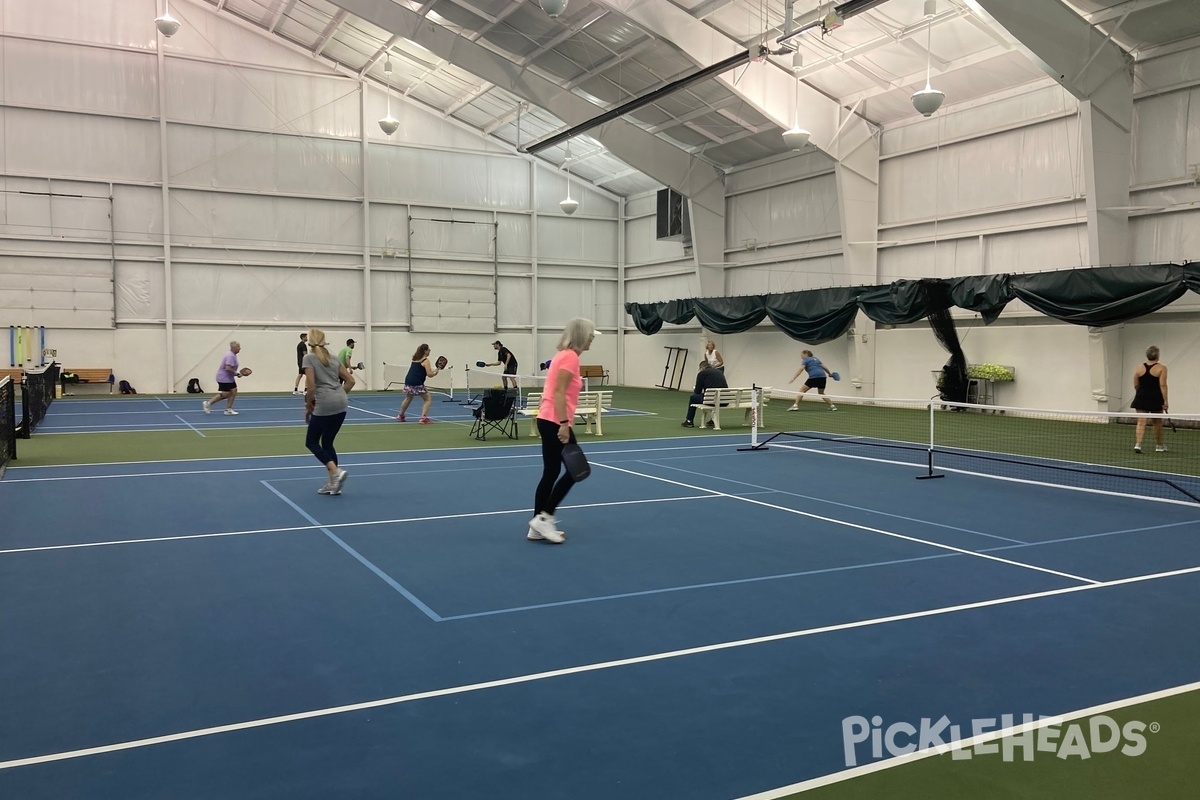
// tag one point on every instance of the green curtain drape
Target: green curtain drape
(1096, 296)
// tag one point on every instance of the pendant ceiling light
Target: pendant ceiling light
(167, 25)
(929, 99)
(568, 206)
(388, 124)
(796, 138)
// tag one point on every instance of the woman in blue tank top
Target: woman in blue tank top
(414, 384)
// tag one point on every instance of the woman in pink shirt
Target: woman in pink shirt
(554, 422)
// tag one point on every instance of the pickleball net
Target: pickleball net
(8, 423)
(1092, 451)
(479, 379)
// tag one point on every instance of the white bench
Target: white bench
(717, 399)
(592, 405)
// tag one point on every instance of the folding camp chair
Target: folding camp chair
(497, 412)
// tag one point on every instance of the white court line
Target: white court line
(332, 525)
(983, 738)
(374, 413)
(868, 528)
(185, 422)
(558, 673)
(531, 453)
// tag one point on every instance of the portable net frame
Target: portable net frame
(1087, 451)
(480, 380)
(440, 384)
(37, 393)
(8, 423)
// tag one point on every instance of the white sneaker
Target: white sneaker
(794, 407)
(229, 412)
(326, 489)
(833, 408)
(339, 480)
(544, 526)
(1137, 448)
(1162, 448)
(297, 391)
(207, 407)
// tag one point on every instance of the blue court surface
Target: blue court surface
(710, 622)
(148, 413)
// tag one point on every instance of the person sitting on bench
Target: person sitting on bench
(709, 377)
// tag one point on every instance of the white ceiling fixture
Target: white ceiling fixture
(929, 99)
(554, 7)
(388, 124)
(568, 206)
(796, 138)
(167, 25)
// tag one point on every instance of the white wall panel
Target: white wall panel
(515, 240)
(641, 246)
(1166, 237)
(1006, 169)
(420, 127)
(661, 288)
(210, 157)
(790, 276)
(514, 305)
(588, 240)
(79, 78)
(1166, 137)
(947, 259)
(122, 23)
(452, 232)
(137, 213)
(233, 293)
(80, 146)
(260, 99)
(450, 179)
(234, 220)
(552, 190)
(140, 295)
(561, 299)
(806, 208)
(1037, 250)
(389, 298)
(57, 292)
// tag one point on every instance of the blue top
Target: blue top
(812, 366)
(416, 374)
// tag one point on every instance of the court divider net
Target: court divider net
(1076, 449)
(37, 393)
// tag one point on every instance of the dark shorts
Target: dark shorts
(301, 370)
(1157, 410)
(511, 370)
(815, 383)
(226, 387)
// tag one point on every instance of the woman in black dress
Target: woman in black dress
(1150, 397)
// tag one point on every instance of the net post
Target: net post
(756, 400)
(930, 474)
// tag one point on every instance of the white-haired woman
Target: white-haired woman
(227, 375)
(555, 419)
(326, 384)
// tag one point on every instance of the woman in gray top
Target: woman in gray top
(326, 383)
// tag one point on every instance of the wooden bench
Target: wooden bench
(11, 372)
(91, 375)
(592, 405)
(589, 371)
(717, 399)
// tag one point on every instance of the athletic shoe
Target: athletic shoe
(229, 412)
(400, 418)
(688, 424)
(1137, 448)
(1162, 448)
(425, 421)
(297, 391)
(207, 407)
(833, 408)
(544, 525)
(328, 488)
(794, 407)
(338, 481)
(710, 424)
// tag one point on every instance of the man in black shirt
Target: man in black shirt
(709, 377)
(301, 352)
(507, 360)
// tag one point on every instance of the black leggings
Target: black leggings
(321, 433)
(552, 488)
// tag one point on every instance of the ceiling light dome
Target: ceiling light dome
(796, 138)
(554, 7)
(928, 100)
(569, 206)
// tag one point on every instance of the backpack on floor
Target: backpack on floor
(194, 386)
(126, 388)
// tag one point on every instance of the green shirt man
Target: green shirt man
(345, 353)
